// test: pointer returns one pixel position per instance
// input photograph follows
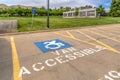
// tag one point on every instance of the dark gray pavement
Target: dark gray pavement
(6, 66)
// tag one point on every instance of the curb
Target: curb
(51, 30)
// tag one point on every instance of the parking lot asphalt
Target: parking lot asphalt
(94, 55)
(6, 66)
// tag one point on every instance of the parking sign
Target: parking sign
(51, 45)
(34, 11)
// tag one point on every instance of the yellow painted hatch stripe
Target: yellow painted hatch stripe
(105, 45)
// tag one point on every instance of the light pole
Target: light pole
(48, 11)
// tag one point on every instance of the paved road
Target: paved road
(6, 66)
(94, 55)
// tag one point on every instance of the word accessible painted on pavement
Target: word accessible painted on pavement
(62, 56)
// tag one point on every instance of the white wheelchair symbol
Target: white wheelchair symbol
(53, 45)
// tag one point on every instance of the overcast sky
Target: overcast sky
(58, 3)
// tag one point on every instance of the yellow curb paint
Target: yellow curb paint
(16, 65)
(113, 39)
(105, 45)
(72, 37)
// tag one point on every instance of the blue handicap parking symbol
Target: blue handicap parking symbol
(50, 45)
(33, 11)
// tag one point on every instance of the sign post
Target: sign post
(48, 11)
(33, 13)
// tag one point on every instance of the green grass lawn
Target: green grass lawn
(57, 22)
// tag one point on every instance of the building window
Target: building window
(65, 14)
(90, 13)
(82, 13)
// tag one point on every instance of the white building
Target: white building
(69, 14)
(87, 13)
(82, 13)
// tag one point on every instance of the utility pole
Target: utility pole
(48, 12)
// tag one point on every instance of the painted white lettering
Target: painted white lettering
(100, 48)
(24, 71)
(70, 57)
(48, 62)
(72, 49)
(67, 55)
(37, 65)
(89, 51)
(78, 54)
(108, 78)
(64, 51)
(59, 59)
(114, 74)
(84, 52)
(56, 53)
(93, 50)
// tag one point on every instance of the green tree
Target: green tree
(19, 11)
(76, 11)
(115, 8)
(27, 12)
(4, 11)
(11, 12)
(41, 11)
(86, 7)
(100, 11)
(67, 8)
